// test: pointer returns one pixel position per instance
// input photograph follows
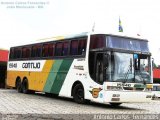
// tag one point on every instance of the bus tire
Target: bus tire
(25, 86)
(19, 85)
(78, 94)
(115, 104)
(31, 91)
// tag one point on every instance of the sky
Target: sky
(23, 21)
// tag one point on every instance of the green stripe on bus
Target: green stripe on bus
(52, 75)
(57, 76)
(61, 75)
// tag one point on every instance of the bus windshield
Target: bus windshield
(126, 67)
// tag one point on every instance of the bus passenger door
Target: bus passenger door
(99, 70)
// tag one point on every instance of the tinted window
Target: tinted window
(65, 48)
(48, 50)
(36, 51)
(11, 55)
(127, 43)
(74, 47)
(51, 49)
(17, 53)
(45, 50)
(26, 52)
(59, 49)
(78, 47)
(62, 49)
(82, 47)
(97, 41)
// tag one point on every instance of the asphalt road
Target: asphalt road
(15, 105)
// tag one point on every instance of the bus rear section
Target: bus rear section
(47, 66)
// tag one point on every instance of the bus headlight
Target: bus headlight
(149, 86)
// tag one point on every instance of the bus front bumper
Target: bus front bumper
(127, 96)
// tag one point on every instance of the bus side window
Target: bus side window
(11, 55)
(45, 50)
(51, 48)
(26, 52)
(33, 51)
(17, 53)
(65, 48)
(36, 51)
(74, 47)
(59, 49)
(97, 41)
(14, 53)
(48, 50)
(39, 51)
(82, 47)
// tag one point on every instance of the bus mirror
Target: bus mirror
(135, 56)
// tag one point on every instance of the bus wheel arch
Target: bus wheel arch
(25, 85)
(18, 84)
(78, 92)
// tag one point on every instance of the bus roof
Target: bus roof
(83, 34)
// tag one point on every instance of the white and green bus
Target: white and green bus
(98, 67)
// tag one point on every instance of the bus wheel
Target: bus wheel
(25, 86)
(78, 94)
(115, 104)
(19, 85)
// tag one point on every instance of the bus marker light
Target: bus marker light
(149, 86)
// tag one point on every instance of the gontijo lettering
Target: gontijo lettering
(31, 65)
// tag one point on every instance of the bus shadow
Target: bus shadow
(120, 107)
(92, 104)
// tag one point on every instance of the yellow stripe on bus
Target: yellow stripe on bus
(36, 80)
(42, 76)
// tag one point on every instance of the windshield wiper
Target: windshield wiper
(127, 74)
